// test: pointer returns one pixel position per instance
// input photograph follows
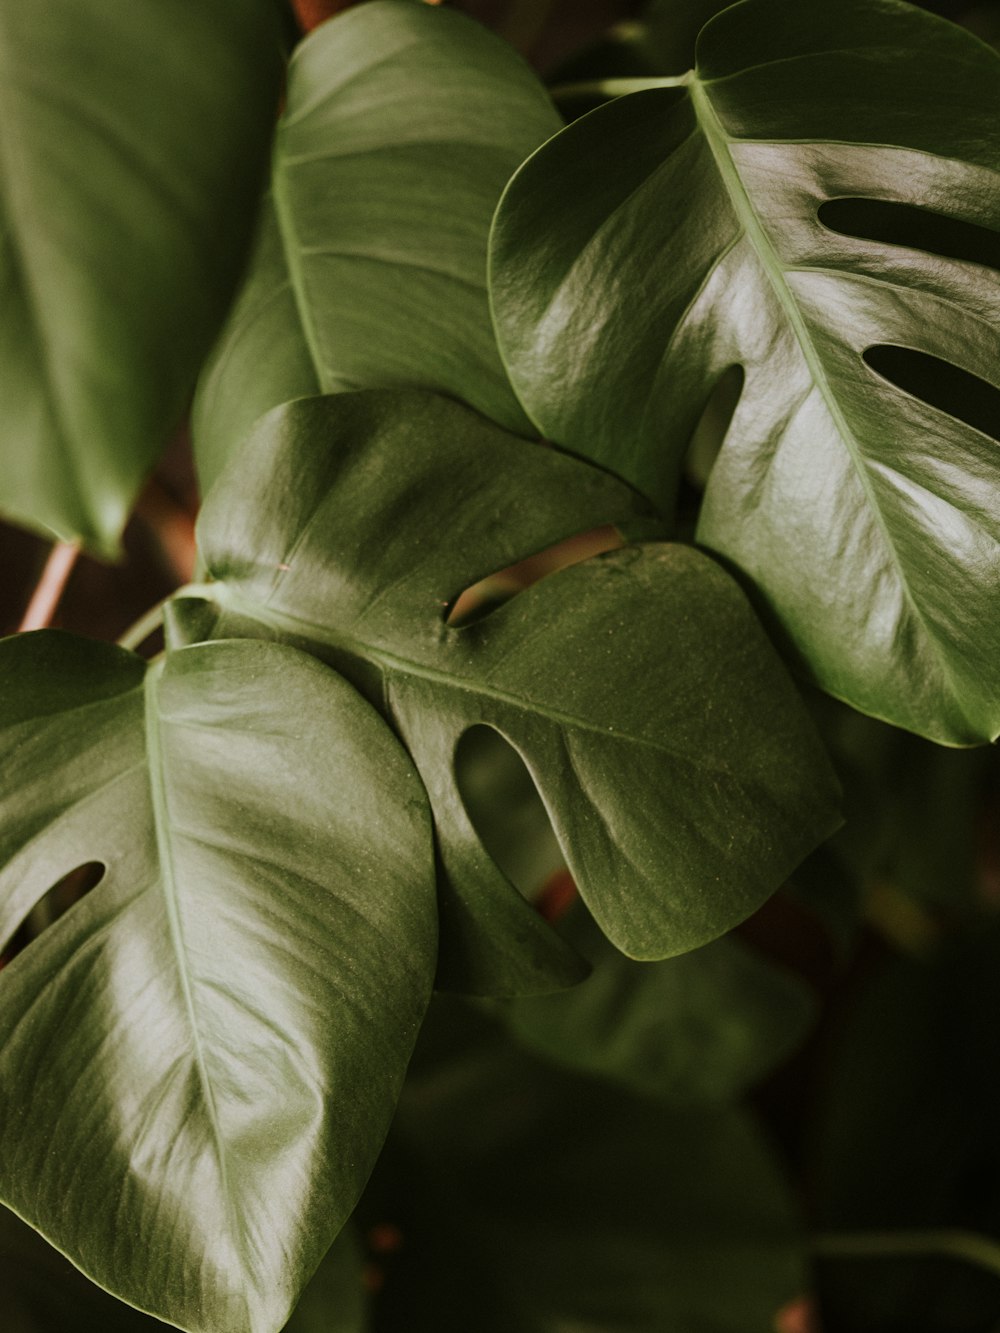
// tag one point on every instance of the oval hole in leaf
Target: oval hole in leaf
(918, 228)
(54, 903)
(713, 424)
(505, 809)
(940, 384)
(486, 595)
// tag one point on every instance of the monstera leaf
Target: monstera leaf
(676, 763)
(199, 1060)
(818, 204)
(135, 138)
(402, 126)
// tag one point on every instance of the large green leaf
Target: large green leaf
(676, 232)
(402, 126)
(669, 747)
(543, 1202)
(199, 1060)
(133, 143)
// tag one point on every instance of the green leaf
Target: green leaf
(676, 232)
(544, 1202)
(696, 1030)
(402, 126)
(205, 1051)
(134, 137)
(671, 751)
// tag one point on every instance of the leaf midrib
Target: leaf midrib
(718, 142)
(291, 248)
(159, 802)
(225, 595)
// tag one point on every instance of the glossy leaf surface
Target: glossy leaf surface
(133, 145)
(548, 1202)
(677, 232)
(402, 126)
(199, 1060)
(670, 749)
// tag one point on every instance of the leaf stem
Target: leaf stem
(50, 587)
(968, 1246)
(208, 590)
(611, 88)
(147, 624)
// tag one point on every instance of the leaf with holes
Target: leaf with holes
(676, 762)
(123, 224)
(229, 1013)
(679, 231)
(402, 126)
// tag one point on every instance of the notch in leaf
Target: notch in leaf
(681, 230)
(230, 1011)
(679, 770)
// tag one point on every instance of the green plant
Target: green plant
(338, 789)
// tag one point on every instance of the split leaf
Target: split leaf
(679, 770)
(199, 1060)
(134, 140)
(680, 231)
(402, 126)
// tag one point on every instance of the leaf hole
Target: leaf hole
(54, 903)
(713, 426)
(505, 809)
(918, 228)
(487, 595)
(940, 384)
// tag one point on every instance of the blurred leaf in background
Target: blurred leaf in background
(123, 231)
(552, 1202)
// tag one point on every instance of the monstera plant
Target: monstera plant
(600, 504)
